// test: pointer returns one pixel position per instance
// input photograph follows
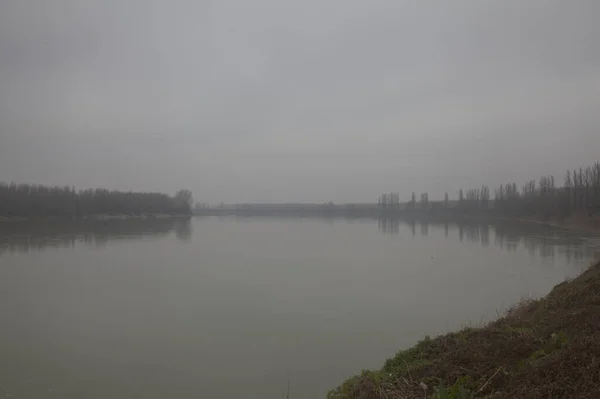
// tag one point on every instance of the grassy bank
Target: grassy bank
(544, 348)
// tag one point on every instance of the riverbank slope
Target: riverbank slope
(549, 347)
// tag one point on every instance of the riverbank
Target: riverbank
(549, 347)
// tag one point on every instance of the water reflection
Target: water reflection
(303, 290)
(22, 237)
(183, 229)
(538, 239)
(425, 228)
(390, 226)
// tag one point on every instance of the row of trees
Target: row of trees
(579, 193)
(582, 188)
(389, 201)
(392, 201)
(26, 200)
(474, 197)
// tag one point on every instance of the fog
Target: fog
(297, 101)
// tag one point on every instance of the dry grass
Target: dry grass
(544, 348)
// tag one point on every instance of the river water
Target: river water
(241, 307)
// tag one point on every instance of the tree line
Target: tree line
(30, 200)
(580, 192)
(392, 201)
(389, 201)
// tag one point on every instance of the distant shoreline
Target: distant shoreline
(577, 222)
(98, 217)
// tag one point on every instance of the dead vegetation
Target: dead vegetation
(544, 348)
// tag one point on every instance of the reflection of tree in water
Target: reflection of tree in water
(574, 254)
(546, 247)
(36, 236)
(543, 241)
(183, 229)
(530, 246)
(20, 244)
(535, 238)
(538, 240)
(485, 234)
(472, 233)
(425, 228)
(389, 226)
(508, 237)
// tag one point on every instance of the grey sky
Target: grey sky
(312, 100)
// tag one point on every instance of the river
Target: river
(241, 307)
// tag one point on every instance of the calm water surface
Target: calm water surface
(237, 307)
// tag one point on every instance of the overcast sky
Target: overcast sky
(311, 100)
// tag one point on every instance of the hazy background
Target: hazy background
(305, 101)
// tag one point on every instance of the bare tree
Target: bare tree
(484, 196)
(184, 198)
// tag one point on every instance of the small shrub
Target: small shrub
(457, 391)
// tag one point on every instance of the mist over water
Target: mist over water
(146, 147)
(235, 307)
